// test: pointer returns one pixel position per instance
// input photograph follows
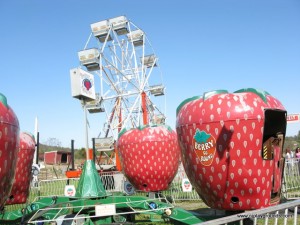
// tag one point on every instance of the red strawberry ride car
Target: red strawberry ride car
(23, 176)
(9, 140)
(231, 147)
(149, 156)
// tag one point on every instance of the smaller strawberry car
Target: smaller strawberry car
(149, 156)
(231, 145)
(9, 146)
(23, 176)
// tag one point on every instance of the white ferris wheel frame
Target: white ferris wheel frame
(124, 75)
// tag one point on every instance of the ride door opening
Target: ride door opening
(64, 158)
(272, 149)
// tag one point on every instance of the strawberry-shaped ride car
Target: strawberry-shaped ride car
(23, 176)
(149, 156)
(231, 147)
(9, 140)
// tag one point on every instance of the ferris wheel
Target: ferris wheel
(126, 70)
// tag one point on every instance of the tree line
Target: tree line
(292, 142)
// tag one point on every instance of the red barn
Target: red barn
(57, 157)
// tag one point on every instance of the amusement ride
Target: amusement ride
(119, 59)
(230, 144)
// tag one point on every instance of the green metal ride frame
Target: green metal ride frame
(90, 195)
(49, 209)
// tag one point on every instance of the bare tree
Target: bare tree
(53, 142)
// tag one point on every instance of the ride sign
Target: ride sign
(70, 191)
(186, 185)
(82, 84)
(293, 118)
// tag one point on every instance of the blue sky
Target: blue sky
(202, 45)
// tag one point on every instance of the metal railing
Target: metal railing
(291, 179)
(176, 190)
(286, 213)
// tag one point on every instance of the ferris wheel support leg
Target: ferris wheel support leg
(86, 130)
(144, 108)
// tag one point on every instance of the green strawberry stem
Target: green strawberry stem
(3, 99)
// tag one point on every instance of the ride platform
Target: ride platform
(93, 205)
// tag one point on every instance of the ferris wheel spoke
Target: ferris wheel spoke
(126, 78)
